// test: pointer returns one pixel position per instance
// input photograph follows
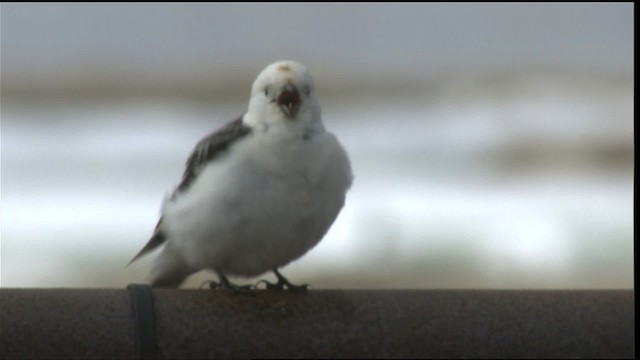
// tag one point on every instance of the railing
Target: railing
(105, 323)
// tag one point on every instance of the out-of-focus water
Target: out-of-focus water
(528, 186)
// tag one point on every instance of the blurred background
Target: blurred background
(492, 144)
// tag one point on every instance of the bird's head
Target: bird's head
(284, 92)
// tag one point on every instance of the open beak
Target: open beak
(289, 100)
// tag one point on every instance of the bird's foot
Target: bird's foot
(225, 284)
(283, 284)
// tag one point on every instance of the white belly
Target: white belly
(258, 209)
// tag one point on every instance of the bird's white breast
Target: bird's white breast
(261, 205)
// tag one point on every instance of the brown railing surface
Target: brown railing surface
(104, 323)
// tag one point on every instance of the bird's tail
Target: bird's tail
(169, 270)
(156, 240)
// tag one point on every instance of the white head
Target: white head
(284, 94)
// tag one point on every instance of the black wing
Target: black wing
(206, 150)
(210, 148)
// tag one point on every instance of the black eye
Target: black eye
(307, 90)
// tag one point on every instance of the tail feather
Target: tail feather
(156, 240)
(169, 269)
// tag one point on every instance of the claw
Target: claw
(244, 289)
(283, 284)
(228, 285)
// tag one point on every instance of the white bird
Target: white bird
(259, 192)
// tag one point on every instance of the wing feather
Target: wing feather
(207, 149)
(210, 148)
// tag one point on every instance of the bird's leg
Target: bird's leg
(228, 285)
(283, 284)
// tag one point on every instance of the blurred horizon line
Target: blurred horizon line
(234, 81)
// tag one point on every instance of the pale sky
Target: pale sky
(170, 35)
